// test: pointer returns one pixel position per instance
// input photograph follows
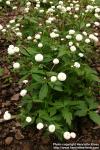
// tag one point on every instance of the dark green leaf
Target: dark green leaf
(95, 117)
(43, 91)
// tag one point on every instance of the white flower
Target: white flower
(56, 61)
(28, 4)
(81, 54)
(3, 30)
(7, 115)
(87, 41)
(68, 36)
(1, 27)
(62, 76)
(68, 8)
(40, 45)
(37, 36)
(16, 65)
(51, 128)
(38, 57)
(28, 119)
(40, 126)
(25, 81)
(26, 10)
(73, 48)
(29, 38)
(8, 25)
(71, 31)
(79, 37)
(97, 24)
(53, 79)
(67, 135)
(14, 8)
(70, 43)
(97, 10)
(84, 33)
(8, 2)
(11, 50)
(88, 25)
(23, 92)
(73, 135)
(19, 34)
(93, 37)
(77, 65)
(54, 35)
(16, 49)
(12, 21)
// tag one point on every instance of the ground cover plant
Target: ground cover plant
(51, 46)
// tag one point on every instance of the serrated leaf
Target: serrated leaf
(43, 91)
(52, 111)
(67, 116)
(81, 113)
(95, 117)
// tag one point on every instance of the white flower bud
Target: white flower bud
(28, 119)
(25, 81)
(7, 115)
(37, 36)
(53, 79)
(23, 92)
(87, 41)
(67, 135)
(12, 21)
(8, 3)
(38, 57)
(28, 4)
(77, 65)
(1, 27)
(70, 43)
(71, 31)
(19, 34)
(68, 36)
(40, 126)
(73, 135)
(62, 76)
(81, 54)
(40, 45)
(73, 48)
(29, 38)
(16, 65)
(56, 61)
(51, 128)
(26, 10)
(11, 50)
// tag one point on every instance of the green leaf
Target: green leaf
(81, 113)
(67, 116)
(43, 91)
(1, 71)
(56, 87)
(52, 111)
(37, 78)
(95, 117)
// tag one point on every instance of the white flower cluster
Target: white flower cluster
(67, 135)
(12, 49)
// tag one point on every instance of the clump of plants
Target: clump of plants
(54, 44)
